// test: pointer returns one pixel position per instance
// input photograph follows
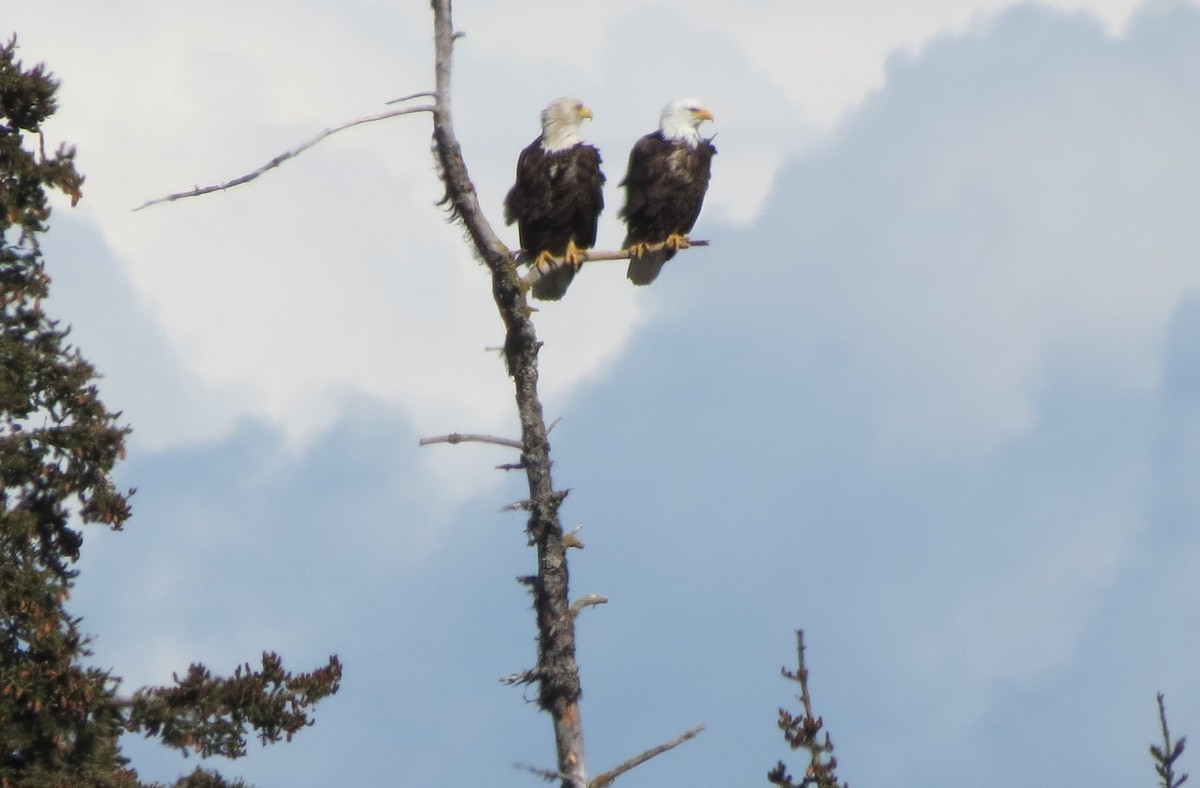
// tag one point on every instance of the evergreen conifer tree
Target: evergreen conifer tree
(61, 719)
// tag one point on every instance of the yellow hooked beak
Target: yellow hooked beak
(702, 114)
(584, 112)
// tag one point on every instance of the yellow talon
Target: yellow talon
(637, 250)
(574, 256)
(675, 242)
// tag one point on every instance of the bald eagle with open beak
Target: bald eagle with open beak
(668, 176)
(557, 199)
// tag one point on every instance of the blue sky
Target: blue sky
(931, 394)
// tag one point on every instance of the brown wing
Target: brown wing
(557, 198)
(664, 193)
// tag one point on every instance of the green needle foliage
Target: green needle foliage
(61, 720)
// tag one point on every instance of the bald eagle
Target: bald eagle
(664, 187)
(557, 199)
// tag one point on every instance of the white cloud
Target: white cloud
(1004, 202)
(822, 54)
(318, 277)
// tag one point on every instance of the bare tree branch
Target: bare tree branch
(598, 255)
(589, 256)
(608, 777)
(281, 158)
(524, 677)
(457, 437)
(546, 774)
(411, 96)
(587, 601)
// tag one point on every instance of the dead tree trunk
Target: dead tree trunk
(556, 673)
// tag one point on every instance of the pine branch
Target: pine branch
(212, 715)
(1165, 756)
(802, 733)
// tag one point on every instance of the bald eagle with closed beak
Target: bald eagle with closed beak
(668, 176)
(557, 199)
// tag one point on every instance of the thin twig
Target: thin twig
(587, 601)
(546, 774)
(552, 264)
(411, 96)
(1166, 756)
(281, 158)
(802, 732)
(802, 675)
(458, 437)
(612, 774)
(593, 256)
(524, 677)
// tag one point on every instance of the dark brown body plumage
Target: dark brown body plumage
(557, 199)
(664, 192)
